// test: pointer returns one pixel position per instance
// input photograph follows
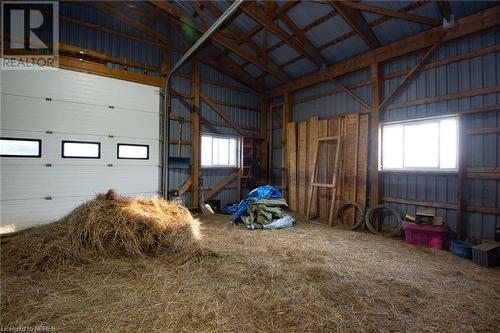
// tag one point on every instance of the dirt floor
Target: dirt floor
(305, 279)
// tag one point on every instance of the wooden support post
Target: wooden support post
(461, 172)
(265, 166)
(196, 141)
(374, 135)
(285, 157)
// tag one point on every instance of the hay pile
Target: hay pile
(109, 226)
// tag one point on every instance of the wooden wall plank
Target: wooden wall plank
(322, 172)
(312, 142)
(301, 169)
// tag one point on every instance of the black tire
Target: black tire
(393, 210)
(360, 210)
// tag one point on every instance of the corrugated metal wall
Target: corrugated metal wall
(243, 109)
(482, 150)
(241, 104)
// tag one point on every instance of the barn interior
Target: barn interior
(250, 166)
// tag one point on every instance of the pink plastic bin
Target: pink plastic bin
(420, 234)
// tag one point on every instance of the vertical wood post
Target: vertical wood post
(264, 163)
(195, 140)
(284, 149)
(461, 171)
(374, 135)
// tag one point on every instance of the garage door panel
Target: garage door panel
(75, 180)
(82, 87)
(52, 149)
(79, 111)
(72, 117)
(21, 214)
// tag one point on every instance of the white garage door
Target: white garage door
(61, 105)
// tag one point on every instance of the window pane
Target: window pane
(15, 147)
(206, 150)
(215, 151)
(133, 151)
(233, 152)
(223, 151)
(448, 143)
(80, 149)
(421, 145)
(392, 148)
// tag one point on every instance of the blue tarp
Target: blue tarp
(261, 192)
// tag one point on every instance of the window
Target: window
(430, 144)
(14, 147)
(219, 151)
(132, 151)
(81, 149)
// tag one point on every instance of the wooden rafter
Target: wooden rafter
(112, 12)
(312, 50)
(235, 32)
(254, 10)
(356, 20)
(228, 43)
(484, 20)
(229, 67)
(410, 75)
(392, 13)
(345, 36)
(277, 14)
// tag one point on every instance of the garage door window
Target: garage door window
(81, 149)
(219, 151)
(15, 147)
(133, 151)
(430, 144)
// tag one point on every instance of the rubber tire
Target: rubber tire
(361, 213)
(393, 210)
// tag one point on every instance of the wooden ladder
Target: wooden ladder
(313, 185)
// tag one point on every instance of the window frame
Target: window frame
(437, 169)
(24, 139)
(221, 136)
(134, 145)
(83, 157)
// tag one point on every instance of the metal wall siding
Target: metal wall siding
(110, 44)
(483, 150)
(345, 49)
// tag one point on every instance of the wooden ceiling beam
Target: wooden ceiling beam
(481, 21)
(356, 20)
(228, 43)
(229, 67)
(281, 10)
(392, 13)
(254, 10)
(112, 12)
(375, 23)
(312, 50)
